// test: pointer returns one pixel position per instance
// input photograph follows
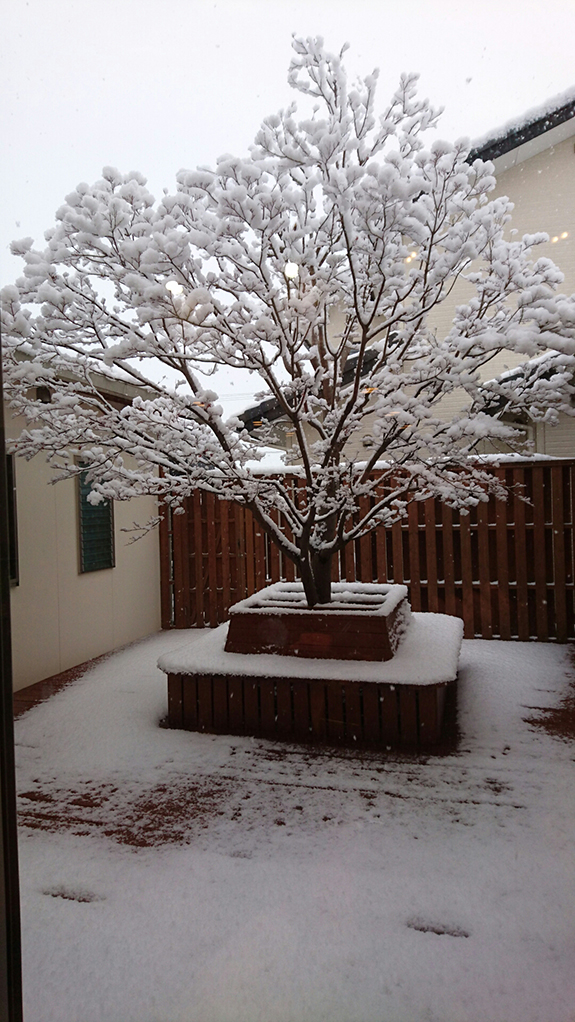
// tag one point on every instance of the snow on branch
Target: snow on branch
(316, 264)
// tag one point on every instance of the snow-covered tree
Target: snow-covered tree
(341, 217)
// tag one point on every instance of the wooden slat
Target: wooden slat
(235, 704)
(370, 698)
(284, 714)
(205, 710)
(569, 513)
(466, 577)
(428, 715)
(225, 534)
(289, 569)
(190, 702)
(250, 554)
(335, 712)
(301, 717)
(251, 706)
(397, 546)
(540, 567)
(267, 706)
(240, 516)
(184, 598)
(166, 567)
(212, 579)
(220, 705)
(367, 568)
(349, 555)
(274, 555)
(353, 730)
(288, 566)
(198, 582)
(431, 555)
(318, 722)
(408, 714)
(501, 535)
(388, 709)
(222, 613)
(559, 573)
(484, 581)
(520, 557)
(381, 554)
(259, 557)
(448, 562)
(414, 569)
(175, 701)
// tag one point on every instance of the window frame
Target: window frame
(94, 516)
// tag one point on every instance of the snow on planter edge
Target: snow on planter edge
(428, 655)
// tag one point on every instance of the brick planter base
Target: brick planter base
(364, 621)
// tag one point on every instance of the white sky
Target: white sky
(155, 85)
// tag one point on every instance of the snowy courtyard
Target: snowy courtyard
(176, 877)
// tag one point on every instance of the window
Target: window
(12, 519)
(96, 530)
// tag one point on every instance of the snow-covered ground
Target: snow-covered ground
(192, 878)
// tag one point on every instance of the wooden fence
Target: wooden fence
(506, 568)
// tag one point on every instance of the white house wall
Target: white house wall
(541, 185)
(61, 618)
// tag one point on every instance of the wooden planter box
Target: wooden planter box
(393, 704)
(348, 713)
(363, 622)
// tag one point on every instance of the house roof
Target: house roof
(117, 388)
(554, 112)
(497, 403)
(270, 409)
(537, 121)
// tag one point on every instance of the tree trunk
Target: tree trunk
(316, 579)
(308, 583)
(321, 567)
(315, 567)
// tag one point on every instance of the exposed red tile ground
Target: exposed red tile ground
(30, 696)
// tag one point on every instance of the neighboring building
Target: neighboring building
(534, 160)
(79, 587)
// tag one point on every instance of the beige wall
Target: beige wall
(61, 618)
(539, 178)
(541, 184)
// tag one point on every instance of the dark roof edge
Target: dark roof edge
(495, 147)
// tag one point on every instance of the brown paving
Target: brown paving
(26, 698)
(558, 721)
(168, 814)
(162, 815)
(176, 813)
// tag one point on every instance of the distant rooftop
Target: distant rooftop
(534, 122)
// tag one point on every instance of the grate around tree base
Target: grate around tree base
(364, 621)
